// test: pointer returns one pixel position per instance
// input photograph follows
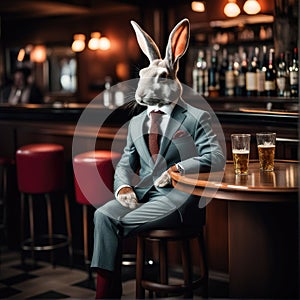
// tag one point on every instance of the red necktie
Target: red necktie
(154, 133)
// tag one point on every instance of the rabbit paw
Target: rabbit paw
(163, 180)
(128, 200)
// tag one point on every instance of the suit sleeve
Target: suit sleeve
(210, 156)
(125, 172)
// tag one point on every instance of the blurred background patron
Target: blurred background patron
(22, 89)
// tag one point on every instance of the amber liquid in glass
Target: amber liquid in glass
(266, 154)
(240, 161)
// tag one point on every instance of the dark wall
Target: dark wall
(93, 66)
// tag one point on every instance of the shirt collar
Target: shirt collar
(167, 109)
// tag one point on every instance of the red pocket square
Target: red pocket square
(180, 134)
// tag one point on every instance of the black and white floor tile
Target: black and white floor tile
(44, 281)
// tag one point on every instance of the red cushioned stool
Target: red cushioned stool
(41, 170)
(93, 178)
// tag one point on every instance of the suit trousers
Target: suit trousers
(113, 222)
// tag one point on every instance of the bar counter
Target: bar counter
(60, 119)
(24, 124)
(268, 110)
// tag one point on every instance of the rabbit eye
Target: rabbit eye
(163, 75)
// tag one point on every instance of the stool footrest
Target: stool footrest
(176, 288)
(46, 243)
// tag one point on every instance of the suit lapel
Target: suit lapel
(138, 134)
(177, 117)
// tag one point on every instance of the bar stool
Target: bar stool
(41, 171)
(5, 163)
(93, 179)
(184, 236)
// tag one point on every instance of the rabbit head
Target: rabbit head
(158, 83)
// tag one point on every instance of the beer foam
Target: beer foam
(240, 151)
(266, 145)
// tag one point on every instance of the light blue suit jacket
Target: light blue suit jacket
(189, 140)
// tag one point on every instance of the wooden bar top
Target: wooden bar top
(279, 185)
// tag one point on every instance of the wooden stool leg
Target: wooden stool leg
(140, 260)
(69, 229)
(85, 234)
(204, 266)
(85, 240)
(22, 229)
(50, 226)
(187, 267)
(31, 226)
(163, 264)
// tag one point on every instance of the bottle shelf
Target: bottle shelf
(243, 103)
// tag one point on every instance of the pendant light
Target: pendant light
(251, 7)
(198, 6)
(78, 44)
(231, 9)
(21, 55)
(94, 41)
(38, 54)
(104, 43)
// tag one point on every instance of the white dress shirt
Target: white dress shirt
(167, 110)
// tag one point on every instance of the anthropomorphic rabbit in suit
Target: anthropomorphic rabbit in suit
(144, 196)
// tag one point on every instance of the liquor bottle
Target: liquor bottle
(281, 78)
(241, 80)
(294, 73)
(288, 64)
(251, 78)
(236, 72)
(200, 75)
(195, 77)
(119, 97)
(261, 73)
(107, 93)
(213, 76)
(229, 77)
(222, 71)
(270, 79)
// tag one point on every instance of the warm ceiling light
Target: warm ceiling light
(94, 41)
(21, 54)
(198, 6)
(251, 7)
(38, 54)
(78, 44)
(231, 9)
(104, 43)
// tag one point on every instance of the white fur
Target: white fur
(158, 84)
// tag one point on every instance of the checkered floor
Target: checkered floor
(44, 281)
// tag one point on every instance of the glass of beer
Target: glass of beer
(240, 151)
(266, 150)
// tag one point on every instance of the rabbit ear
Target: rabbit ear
(178, 42)
(146, 43)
